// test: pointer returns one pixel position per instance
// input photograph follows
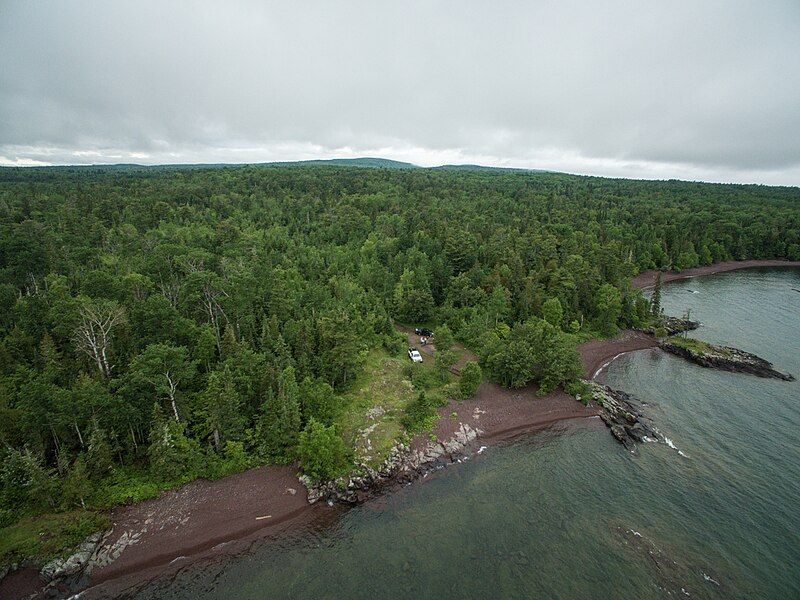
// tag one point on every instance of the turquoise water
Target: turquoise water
(552, 515)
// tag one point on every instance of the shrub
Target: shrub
(321, 451)
(395, 342)
(419, 414)
(471, 377)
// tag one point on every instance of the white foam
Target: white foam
(712, 580)
(481, 449)
(605, 364)
(669, 443)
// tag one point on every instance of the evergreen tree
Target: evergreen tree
(222, 417)
(655, 301)
(419, 414)
(228, 345)
(279, 426)
(170, 453)
(99, 453)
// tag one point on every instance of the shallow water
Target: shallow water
(554, 514)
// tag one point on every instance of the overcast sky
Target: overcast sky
(705, 90)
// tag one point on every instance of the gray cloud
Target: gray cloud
(697, 90)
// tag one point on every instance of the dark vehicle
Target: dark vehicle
(423, 331)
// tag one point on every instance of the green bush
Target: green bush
(420, 414)
(321, 451)
(395, 343)
(471, 377)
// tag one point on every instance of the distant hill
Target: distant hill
(366, 162)
(485, 168)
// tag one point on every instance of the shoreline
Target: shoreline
(207, 518)
(647, 279)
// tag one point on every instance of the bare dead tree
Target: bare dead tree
(170, 289)
(213, 308)
(94, 332)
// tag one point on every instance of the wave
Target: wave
(669, 443)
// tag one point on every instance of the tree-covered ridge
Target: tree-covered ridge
(193, 321)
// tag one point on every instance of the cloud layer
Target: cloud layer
(696, 90)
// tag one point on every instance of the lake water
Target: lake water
(553, 515)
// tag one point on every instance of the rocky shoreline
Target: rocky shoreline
(200, 506)
(725, 358)
(404, 464)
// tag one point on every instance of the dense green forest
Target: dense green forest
(158, 325)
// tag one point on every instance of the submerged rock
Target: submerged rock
(723, 358)
(675, 575)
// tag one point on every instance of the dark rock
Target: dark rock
(673, 325)
(726, 358)
(619, 411)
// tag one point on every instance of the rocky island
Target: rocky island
(723, 358)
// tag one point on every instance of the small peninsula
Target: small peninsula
(723, 358)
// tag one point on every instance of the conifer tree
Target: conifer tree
(279, 425)
(655, 302)
(227, 345)
(222, 416)
(99, 458)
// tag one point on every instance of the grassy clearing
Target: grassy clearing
(374, 406)
(48, 536)
(692, 344)
(698, 346)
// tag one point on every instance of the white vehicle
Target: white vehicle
(414, 355)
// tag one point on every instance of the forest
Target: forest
(163, 324)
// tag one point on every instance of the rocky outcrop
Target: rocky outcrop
(672, 326)
(403, 464)
(725, 358)
(619, 411)
(62, 575)
(675, 325)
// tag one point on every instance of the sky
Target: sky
(698, 90)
